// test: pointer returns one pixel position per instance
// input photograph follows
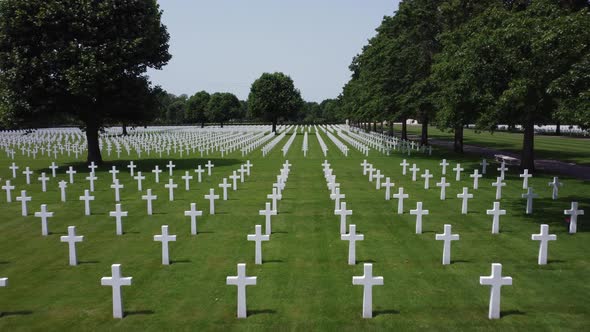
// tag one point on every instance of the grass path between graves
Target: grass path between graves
(304, 282)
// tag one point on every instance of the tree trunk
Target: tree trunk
(404, 130)
(92, 138)
(528, 146)
(424, 136)
(274, 127)
(458, 143)
(203, 124)
(375, 126)
(221, 124)
(558, 128)
(125, 130)
(390, 128)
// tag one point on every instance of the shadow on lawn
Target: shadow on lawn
(261, 311)
(139, 312)
(16, 313)
(385, 312)
(512, 312)
(147, 165)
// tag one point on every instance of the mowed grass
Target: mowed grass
(564, 148)
(305, 282)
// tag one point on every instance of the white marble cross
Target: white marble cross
(498, 184)
(53, 168)
(8, 189)
(211, 197)
(27, 172)
(370, 170)
(364, 164)
(484, 166)
(258, 237)
(86, 198)
(336, 196)
(525, 178)
(274, 197)
(209, 166)
(114, 172)
(171, 186)
(248, 165)
(71, 173)
(458, 171)
(404, 165)
(23, 198)
(419, 212)
(165, 238)
(241, 280)
(444, 165)
(62, 189)
(139, 179)
(387, 184)
(224, 185)
(544, 237)
(131, 167)
(465, 196)
(414, 170)
(149, 198)
(400, 203)
(116, 185)
(157, 172)
(91, 177)
(352, 237)
(529, 199)
(496, 281)
(475, 177)
(378, 176)
(367, 280)
(193, 213)
(447, 236)
(199, 172)
(116, 281)
(573, 213)
(426, 176)
(43, 178)
(242, 171)
(118, 214)
(342, 212)
(555, 184)
(92, 167)
(443, 184)
(187, 177)
(13, 168)
(170, 167)
(502, 169)
(267, 213)
(3, 282)
(71, 239)
(234, 177)
(44, 214)
(496, 212)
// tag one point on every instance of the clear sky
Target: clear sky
(224, 45)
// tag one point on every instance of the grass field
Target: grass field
(305, 282)
(570, 149)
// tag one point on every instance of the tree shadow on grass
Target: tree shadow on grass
(138, 312)
(15, 313)
(261, 311)
(145, 165)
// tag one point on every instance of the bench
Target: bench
(506, 159)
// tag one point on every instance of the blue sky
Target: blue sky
(224, 45)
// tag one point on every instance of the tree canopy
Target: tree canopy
(222, 106)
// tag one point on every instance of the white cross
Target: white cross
(502, 169)
(92, 167)
(364, 164)
(370, 170)
(378, 176)
(13, 168)
(43, 180)
(71, 173)
(139, 179)
(258, 237)
(426, 176)
(209, 165)
(544, 237)
(62, 189)
(267, 213)
(149, 198)
(211, 197)
(443, 184)
(241, 280)
(444, 165)
(274, 197)
(86, 198)
(234, 177)
(555, 184)
(24, 199)
(8, 189)
(27, 172)
(224, 186)
(465, 196)
(91, 177)
(414, 170)
(367, 281)
(116, 281)
(387, 184)
(498, 184)
(118, 214)
(404, 165)
(496, 281)
(573, 213)
(458, 171)
(529, 199)
(248, 165)
(419, 213)
(484, 165)
(193, 213)
(447, 237)
(114, 172)
(342, 212)
(336, 196)
(242, 170)
(116, 185)
(157, 172)
(400, 203)
(186, 177)
(71, 239)
(170, 167)
(44, 214)
(199, 172)
(131, 167)
(496, 212)
(475, 177)
(165, 238)
(525, 181)
(53, 167)
(352, 237)
(170, 186)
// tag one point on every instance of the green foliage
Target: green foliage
(222, 107)
(196, 107)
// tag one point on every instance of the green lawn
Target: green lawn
(576, 150)
(305, 282)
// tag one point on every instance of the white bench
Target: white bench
(507, 159)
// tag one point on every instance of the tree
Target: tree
(273, 97)
(222, 107)
(196, 108)
(87, 59)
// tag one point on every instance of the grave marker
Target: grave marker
(447, 237)
(71, 239)
(367, 281)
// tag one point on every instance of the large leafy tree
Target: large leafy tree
(222, 107)
(84, 58)
(273, 97)
(196, 108)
